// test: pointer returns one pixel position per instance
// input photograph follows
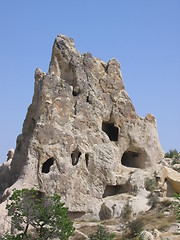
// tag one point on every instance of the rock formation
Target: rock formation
(171, 181)
(83, 139)
(5, 170)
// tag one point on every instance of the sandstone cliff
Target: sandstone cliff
(83, 139)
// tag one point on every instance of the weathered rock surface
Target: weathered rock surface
(5, 170)
(82, 137)
(171, 179)
(145, 235)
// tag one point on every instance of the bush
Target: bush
(37, 216)
(177, 196)
(101, 234)
(136, 227)
(172, 154)
(126, 211)
(150, 184)
(153, 200)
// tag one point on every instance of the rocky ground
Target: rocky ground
(158, 223)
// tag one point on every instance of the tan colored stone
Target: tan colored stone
(172, 177)
(145, 235)
(81, 136)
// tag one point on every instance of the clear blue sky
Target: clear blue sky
(143, 35)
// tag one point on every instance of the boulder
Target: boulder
(171, 179)
(145, 235)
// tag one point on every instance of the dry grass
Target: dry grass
(156, 219)
(153, 219)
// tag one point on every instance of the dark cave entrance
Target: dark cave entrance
(87, 159)
(46, 165)
(74, 215)
(135, 159)
(110, 130)
(75, 155)
(112, 190)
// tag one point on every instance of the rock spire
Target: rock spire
(82, 137)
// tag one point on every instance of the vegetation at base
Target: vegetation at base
(127, 211)
(172, 154)
(150, 184)
(37, 216)
(177, 196)
(61, 83)
(135, 227)
(101, 234)
(153, 200)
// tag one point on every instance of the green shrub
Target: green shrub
(153, 200)
(126, 211)
(135, 227)
(177, 196)
(101, 234)
(61, 83)
(172, 154)
(150, 184)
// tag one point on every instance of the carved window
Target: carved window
(135, 158)
(112, 190)
(87, 159)
(110, 130)
(75, 155)
(47, 164)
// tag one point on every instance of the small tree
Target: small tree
(37, 216)
(101, 234)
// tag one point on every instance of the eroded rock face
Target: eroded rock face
(171, 181)
(5, 171)
(82, 137)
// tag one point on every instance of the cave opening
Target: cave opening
(47, 164)
(110, 130)
(87, 159)
(87, 99)
(74, 215)
(76, 91)
(75, 155)
(112, 190)
(134, 159)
